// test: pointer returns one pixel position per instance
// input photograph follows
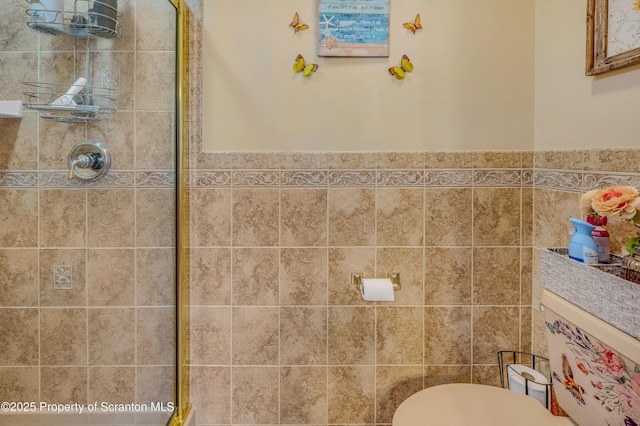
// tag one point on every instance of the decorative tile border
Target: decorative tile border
(546, 179)
(595, 180)
(210, 179)
(568, 181)
(497, 177)
(18, 180)
(357, 178)
(352, 178)
(449, 178)
(113, 179)
(400, 178)
(156, 179)
(549, 179)
(580, 182)
(255, 178)
(304, 178)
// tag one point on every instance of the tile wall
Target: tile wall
(110, 337)
(278, 334)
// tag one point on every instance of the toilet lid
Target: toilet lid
(477, 405)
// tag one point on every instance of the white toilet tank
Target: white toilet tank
(595, 366)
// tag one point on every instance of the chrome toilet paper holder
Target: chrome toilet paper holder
(357, 277)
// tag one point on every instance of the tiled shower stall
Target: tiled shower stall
(108, 335)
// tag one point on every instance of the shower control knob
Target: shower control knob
(89, 161)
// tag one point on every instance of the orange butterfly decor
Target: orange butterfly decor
(569, 384)
(296, 24)
(405, 67)
(413, 26)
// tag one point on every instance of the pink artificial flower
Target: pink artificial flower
(615, 200)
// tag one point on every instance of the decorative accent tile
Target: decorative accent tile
(62, 277)
(255, 178)
(497, 177)
(116, 179)
(55, 179)
(527, 177)
(552, 179)
(400, 178)
(570, 181)
(448, 178)
(593, 180)
(304, 178)
(111, 79)
(217, 178)
(18, 180)
(352, 178)
(156, 179)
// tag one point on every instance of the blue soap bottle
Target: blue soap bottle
(582, 246)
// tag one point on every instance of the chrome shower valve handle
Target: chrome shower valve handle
(89, 161)
(93, 161)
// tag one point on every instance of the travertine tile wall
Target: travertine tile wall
(111, 337)
(278, 334)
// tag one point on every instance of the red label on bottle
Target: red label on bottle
(599, 233)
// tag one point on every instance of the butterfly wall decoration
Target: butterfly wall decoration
(300, 65)
(296, 24)
(414, 25)
(405, 67)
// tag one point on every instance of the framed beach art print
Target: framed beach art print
(613, 35)
(353, 28)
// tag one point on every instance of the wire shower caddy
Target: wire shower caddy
(88, 19)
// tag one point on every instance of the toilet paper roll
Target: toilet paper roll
(377, 290)
(518, 374)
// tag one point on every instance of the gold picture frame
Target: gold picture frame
(613, 36)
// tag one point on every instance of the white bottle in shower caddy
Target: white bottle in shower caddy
(48, 12)
(66, 100)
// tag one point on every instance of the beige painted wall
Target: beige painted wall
(573, 110)
(472, 87)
